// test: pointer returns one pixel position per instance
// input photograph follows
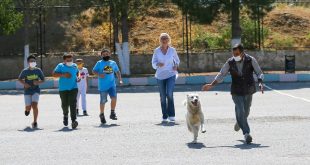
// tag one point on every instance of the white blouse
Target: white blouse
(170, 59)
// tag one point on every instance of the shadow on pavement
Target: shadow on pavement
(29, 129)
(195, 145)
(66, 129)
(243, 146)
(107, 125)
(167, 124)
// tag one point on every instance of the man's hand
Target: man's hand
(36, 82)
(160, 64)
(101, 75)
(26, 86)
(66, 75)
(207, 87)
(261, 87)
(121, 83)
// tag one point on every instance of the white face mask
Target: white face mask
(238, 58)
(32, 64)
(69, 63)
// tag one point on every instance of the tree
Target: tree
(10, 19)
(121, 12)
(205, 11)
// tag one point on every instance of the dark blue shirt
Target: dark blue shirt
(29, 75)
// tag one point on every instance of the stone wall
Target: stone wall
(141, 64)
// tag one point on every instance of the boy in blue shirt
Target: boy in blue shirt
(106, 69)
(31, 77)
(68, 78)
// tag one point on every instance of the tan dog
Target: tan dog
(194, 116)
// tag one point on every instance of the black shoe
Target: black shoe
(77, 111)
(74, 124)
(113, 116)
(248, 138)
(85, 113)
(65, 121)
(102, 118)
(27, 113)
(34, 125)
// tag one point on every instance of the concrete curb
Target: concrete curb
(52, 84)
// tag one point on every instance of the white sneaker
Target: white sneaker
(172, 119)
(248, 138)
(165, 121)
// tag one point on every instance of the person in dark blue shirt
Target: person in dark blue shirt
(67, 72)
(31, 77)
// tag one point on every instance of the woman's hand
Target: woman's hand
(175, 68)
(160, 64)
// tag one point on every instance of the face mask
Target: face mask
(80, 66)
(106, 58)
(32, 64)
(69, 63)
(238, 58)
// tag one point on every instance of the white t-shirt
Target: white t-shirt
(83, 75)
(170, 59)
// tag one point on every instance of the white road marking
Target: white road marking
(286, 94)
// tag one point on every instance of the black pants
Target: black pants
(68, 99)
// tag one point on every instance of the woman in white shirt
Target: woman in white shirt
(165, 61)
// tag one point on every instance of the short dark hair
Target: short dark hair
(79, 60)
(239, 46)
(65, 56)
(31, 57)
(105, 50)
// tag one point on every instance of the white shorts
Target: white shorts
(31, 98)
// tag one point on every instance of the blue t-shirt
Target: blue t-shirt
(29, 75)
(65, 84)
(108, 68)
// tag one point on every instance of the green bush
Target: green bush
(222, 40)
(280, 41)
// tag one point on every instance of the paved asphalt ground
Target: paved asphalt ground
(279, 120)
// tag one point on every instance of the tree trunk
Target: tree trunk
(26, 31)
(235, 20)
(118, 47)
(125, 37)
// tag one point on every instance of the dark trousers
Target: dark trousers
(68, 99)
(242, 110)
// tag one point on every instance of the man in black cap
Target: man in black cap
(241, 67)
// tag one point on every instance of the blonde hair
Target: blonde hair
(164, 35)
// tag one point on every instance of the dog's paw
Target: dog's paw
(203, 131)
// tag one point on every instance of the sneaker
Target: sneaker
(102, 118)
(113, 116)
(65, 121)
(248, 138)
(34, 125)
(236, 127)
(85, 113)
(27, 113)
(165, 121)
(172, 119)
(77, 111)
(74, 124)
